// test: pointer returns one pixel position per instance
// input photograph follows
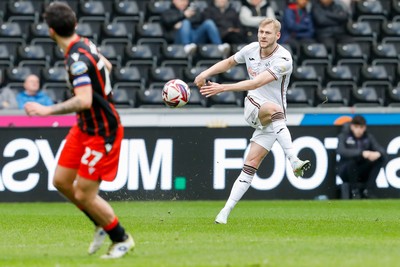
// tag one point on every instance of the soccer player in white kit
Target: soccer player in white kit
(269, 66)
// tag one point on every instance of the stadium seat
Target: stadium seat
(360, 29)
(24, 22)
(85, 30)
(150, 30)
(20, 8)
(129, 74)
(124, 97)
(350, 50)
(11, 29)
(368, 95)
(394, 41)
(108, 51)
(32, 52)
(58, 92)
(391, 29)
(369, 8)
(391, 66)
(94, 8)
(313, 51)
(196, 99)
(320, 66)
(339, 73)
(384, 51)
(39, 30)
(189, 74)
(235, 74)
(395, 8)
(151, 97)
(12, 45)
(128, 9)
(331, 96)
(119, 45)
(354, 64)
(5, 54)
(394, 96)
(117, 30)
(162, 74)
(297, 97)
(176, 52)
(375, 21)
(212, 51)
(54, 75)
(305, 73)
(373, 72)
(155, 8)
(35, 66)
(17, 74)
(226, 99)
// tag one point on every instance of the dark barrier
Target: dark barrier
(191, 163)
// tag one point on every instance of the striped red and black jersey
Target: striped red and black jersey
(85, 67)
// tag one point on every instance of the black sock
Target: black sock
(117, 233)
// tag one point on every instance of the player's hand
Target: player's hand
(211, 89)
(200, 80)
(36, 109)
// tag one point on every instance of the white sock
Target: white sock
(284, 138)
(240, 187)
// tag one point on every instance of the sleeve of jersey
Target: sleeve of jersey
(79, 72)
(280, 67)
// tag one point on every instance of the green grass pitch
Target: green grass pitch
(182, 233)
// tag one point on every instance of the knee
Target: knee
(80, 196)
(209, 23)
(60, 184)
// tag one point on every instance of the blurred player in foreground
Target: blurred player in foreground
(91, 151)
(269, 67)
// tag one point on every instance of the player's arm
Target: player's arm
(218, 67)
(215, 88)
(107, 63)
(80, 101)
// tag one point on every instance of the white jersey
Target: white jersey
(279, 63)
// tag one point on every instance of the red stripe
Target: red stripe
(111, 225)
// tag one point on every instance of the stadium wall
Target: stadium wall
(190, 156)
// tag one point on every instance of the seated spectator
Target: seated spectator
(297, 25)
(185, 24)
(7, 99)
(227, 20)
(330, 20)
(32, 93)
(361, 158)
(252, 12)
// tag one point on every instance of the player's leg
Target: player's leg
(272, 113)
(86, 192)
(253, 160)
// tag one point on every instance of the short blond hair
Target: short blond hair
(275, 22)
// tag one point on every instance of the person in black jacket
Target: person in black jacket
(227, 20)
(361, 158)
(184, 23)
(330, 20)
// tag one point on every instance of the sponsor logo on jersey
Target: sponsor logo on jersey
(78, 68)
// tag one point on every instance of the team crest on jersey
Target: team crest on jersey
(279, 69)
(78, 68)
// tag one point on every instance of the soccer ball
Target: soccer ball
(176, 93)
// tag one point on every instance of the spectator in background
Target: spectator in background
(227, 20)
(32, 93)
(7, 99)
(297, 25)
(252, 12)
(361, 158)
(185, 24)
(330, 20)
